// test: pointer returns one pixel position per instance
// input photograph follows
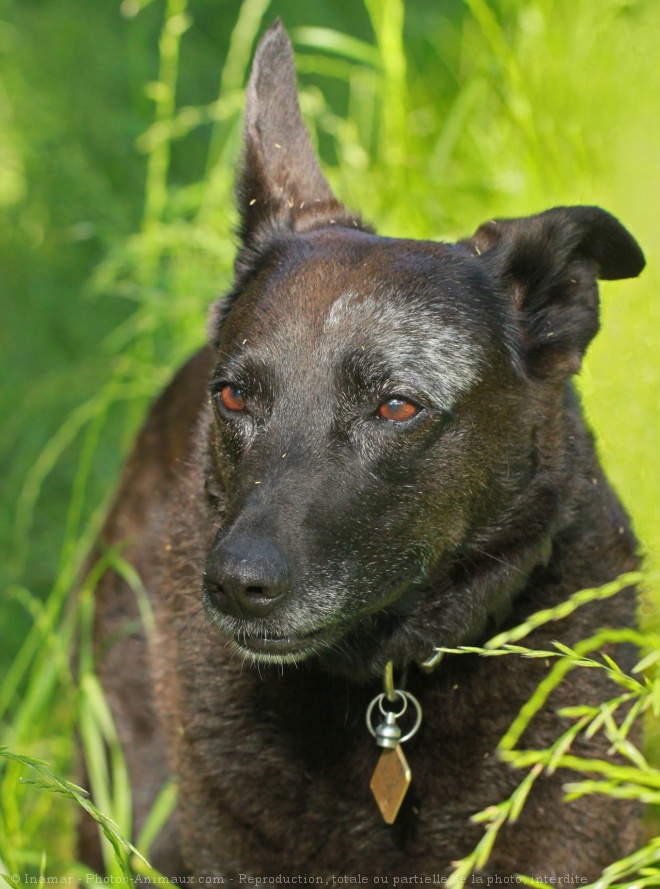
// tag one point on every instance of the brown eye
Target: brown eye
(398, 409)
(231, 398)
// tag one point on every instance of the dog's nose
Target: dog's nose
(246, 577)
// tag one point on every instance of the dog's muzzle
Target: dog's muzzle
(246, 586)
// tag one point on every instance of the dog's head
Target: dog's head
(388, 431)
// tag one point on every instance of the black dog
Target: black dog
(389, 457)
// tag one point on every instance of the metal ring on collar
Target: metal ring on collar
(406, 696)
(404, 700)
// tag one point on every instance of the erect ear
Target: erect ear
(280, 185)
(549, 264)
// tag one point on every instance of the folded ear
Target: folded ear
(280, 185)
(549, 264)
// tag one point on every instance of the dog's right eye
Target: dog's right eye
(232, 398)
(398, 409)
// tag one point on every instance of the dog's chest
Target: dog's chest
(291, 765)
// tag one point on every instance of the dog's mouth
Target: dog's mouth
(282, 649)
(336, 640)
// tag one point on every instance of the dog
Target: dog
(380, 453)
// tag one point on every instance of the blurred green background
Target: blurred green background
(119, 132)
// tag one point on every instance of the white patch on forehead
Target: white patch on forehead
(345, 306)
(443, 358)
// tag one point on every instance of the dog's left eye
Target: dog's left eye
(398, 409)
(232, 398)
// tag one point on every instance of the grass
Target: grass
(429, 120)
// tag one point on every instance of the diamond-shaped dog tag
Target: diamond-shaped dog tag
(390, 782)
